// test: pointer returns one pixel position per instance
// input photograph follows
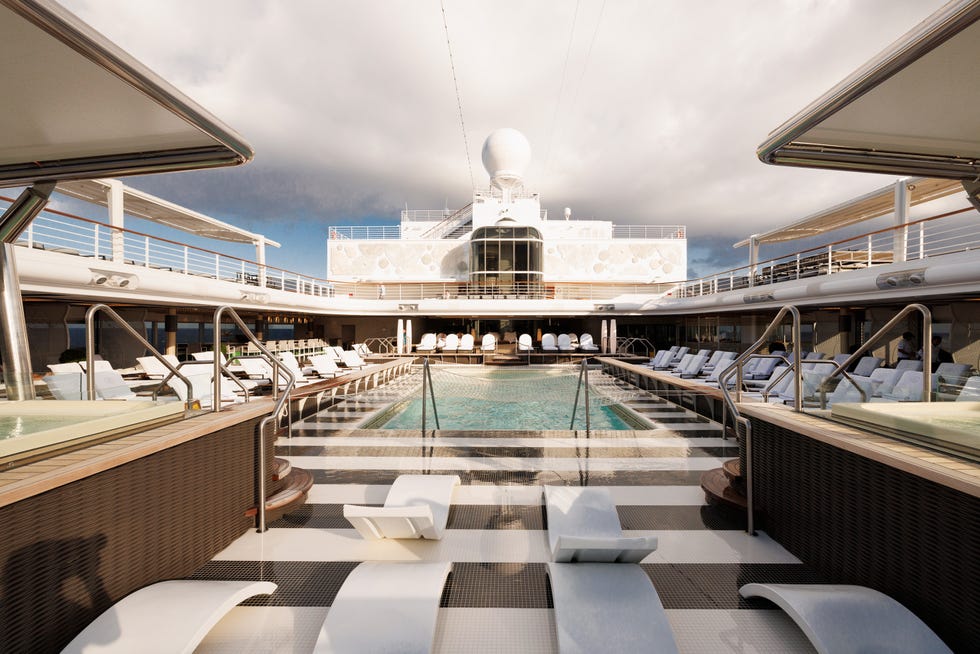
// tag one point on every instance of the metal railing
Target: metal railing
(841, 368)
(583, 380)
(946, 233)
(121, 322)
(281, 403)
(730, 407)
(450, 222)
(364, 232)
(649, 231)
(427, 382)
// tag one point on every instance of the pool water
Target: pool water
(14, 426)
(506, 400)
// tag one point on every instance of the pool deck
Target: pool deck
(497, 599)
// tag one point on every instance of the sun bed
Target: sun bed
(452, 343)
(417, 506)
(154, 369)
(352, 360)
(324, 366)
(841, 619)
(608, 608)
(565, 343)
(549, 343)
(466, 343)
(489, 343)
(427, 344)
(385, 607)
(169, 616)
(586, 344)
(524, 343)
(583, 525)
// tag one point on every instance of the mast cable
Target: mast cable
(561, 88)
(459, 102)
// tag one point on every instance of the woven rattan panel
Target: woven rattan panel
(858, 521)
(68, 554)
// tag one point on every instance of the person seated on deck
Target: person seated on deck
(906, 347)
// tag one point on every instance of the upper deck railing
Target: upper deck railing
(445, 225)
(58, 231)
(950, 232)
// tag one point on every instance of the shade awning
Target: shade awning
(149, 207)
(912, 110)
(872, 205)
(77, 106)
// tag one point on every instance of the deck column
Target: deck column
(117, 218)
(900, 242)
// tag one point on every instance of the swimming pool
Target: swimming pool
(469, 398)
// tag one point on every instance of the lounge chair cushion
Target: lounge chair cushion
(417, 506)
(385, 607)
(169, 616)
(583, 525)
(608, 608)
(842, 619)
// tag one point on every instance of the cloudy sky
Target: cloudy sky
(639, 112)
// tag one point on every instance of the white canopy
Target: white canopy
(912, 110)
(149, 207)
(77, 106)
(872, 205)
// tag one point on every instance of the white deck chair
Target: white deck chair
(549, 343)
(67, 385)
(289, 360)
(674, 358)
(152, 367)
(208, 355)
(60, 368)
(324, 366)
(336, 351)
(565, 343)
(586, 344)
(908, 388)
(583, 525)
(573, 339)
(848, 392)
(693, 367)
(950, 374)
(452, 343)
(427, 344)
(200, 375)
(524, 343)
(970, 391)
(385, 607)
(351, 360)
(866, 365)
(608, 608)
(417, 506)
(489, 343)
(841, 619)
(168, 616)
(466, 343)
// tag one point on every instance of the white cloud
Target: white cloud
(351, 109)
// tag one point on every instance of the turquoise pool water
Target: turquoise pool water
(505, 400)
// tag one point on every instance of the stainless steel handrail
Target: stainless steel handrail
(427, 379)
(583, 376)
(926, 354)
(90, 351)
(283, 400)
(736, 367)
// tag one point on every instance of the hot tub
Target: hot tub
(953, 426)
(35, 427)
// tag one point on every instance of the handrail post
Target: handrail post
(425, 368)
(577, 389)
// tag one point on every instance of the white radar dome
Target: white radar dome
(506, 155)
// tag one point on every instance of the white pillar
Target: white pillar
(408, 337)
(400, 337)
(260, 258)
(604, 337)
(114, 200)
(613, 346)
(900, 240)
(753, 257)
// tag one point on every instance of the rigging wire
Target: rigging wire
(588, 55)
(459, 102)
(561, 88)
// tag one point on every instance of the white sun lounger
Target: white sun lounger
(166, 617)
(608, 608)
(583, 526)
(385, 607)
(417, 506)
(840, 619)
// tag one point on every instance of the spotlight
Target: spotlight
(122, 282)
(99, 278)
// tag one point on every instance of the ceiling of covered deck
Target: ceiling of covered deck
(873, 205)
(910, 111)
(76, 106)
(149, 207)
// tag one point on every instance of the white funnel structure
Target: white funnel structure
(506, 155)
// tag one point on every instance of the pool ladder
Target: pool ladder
(583, 376)
(427, 382)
